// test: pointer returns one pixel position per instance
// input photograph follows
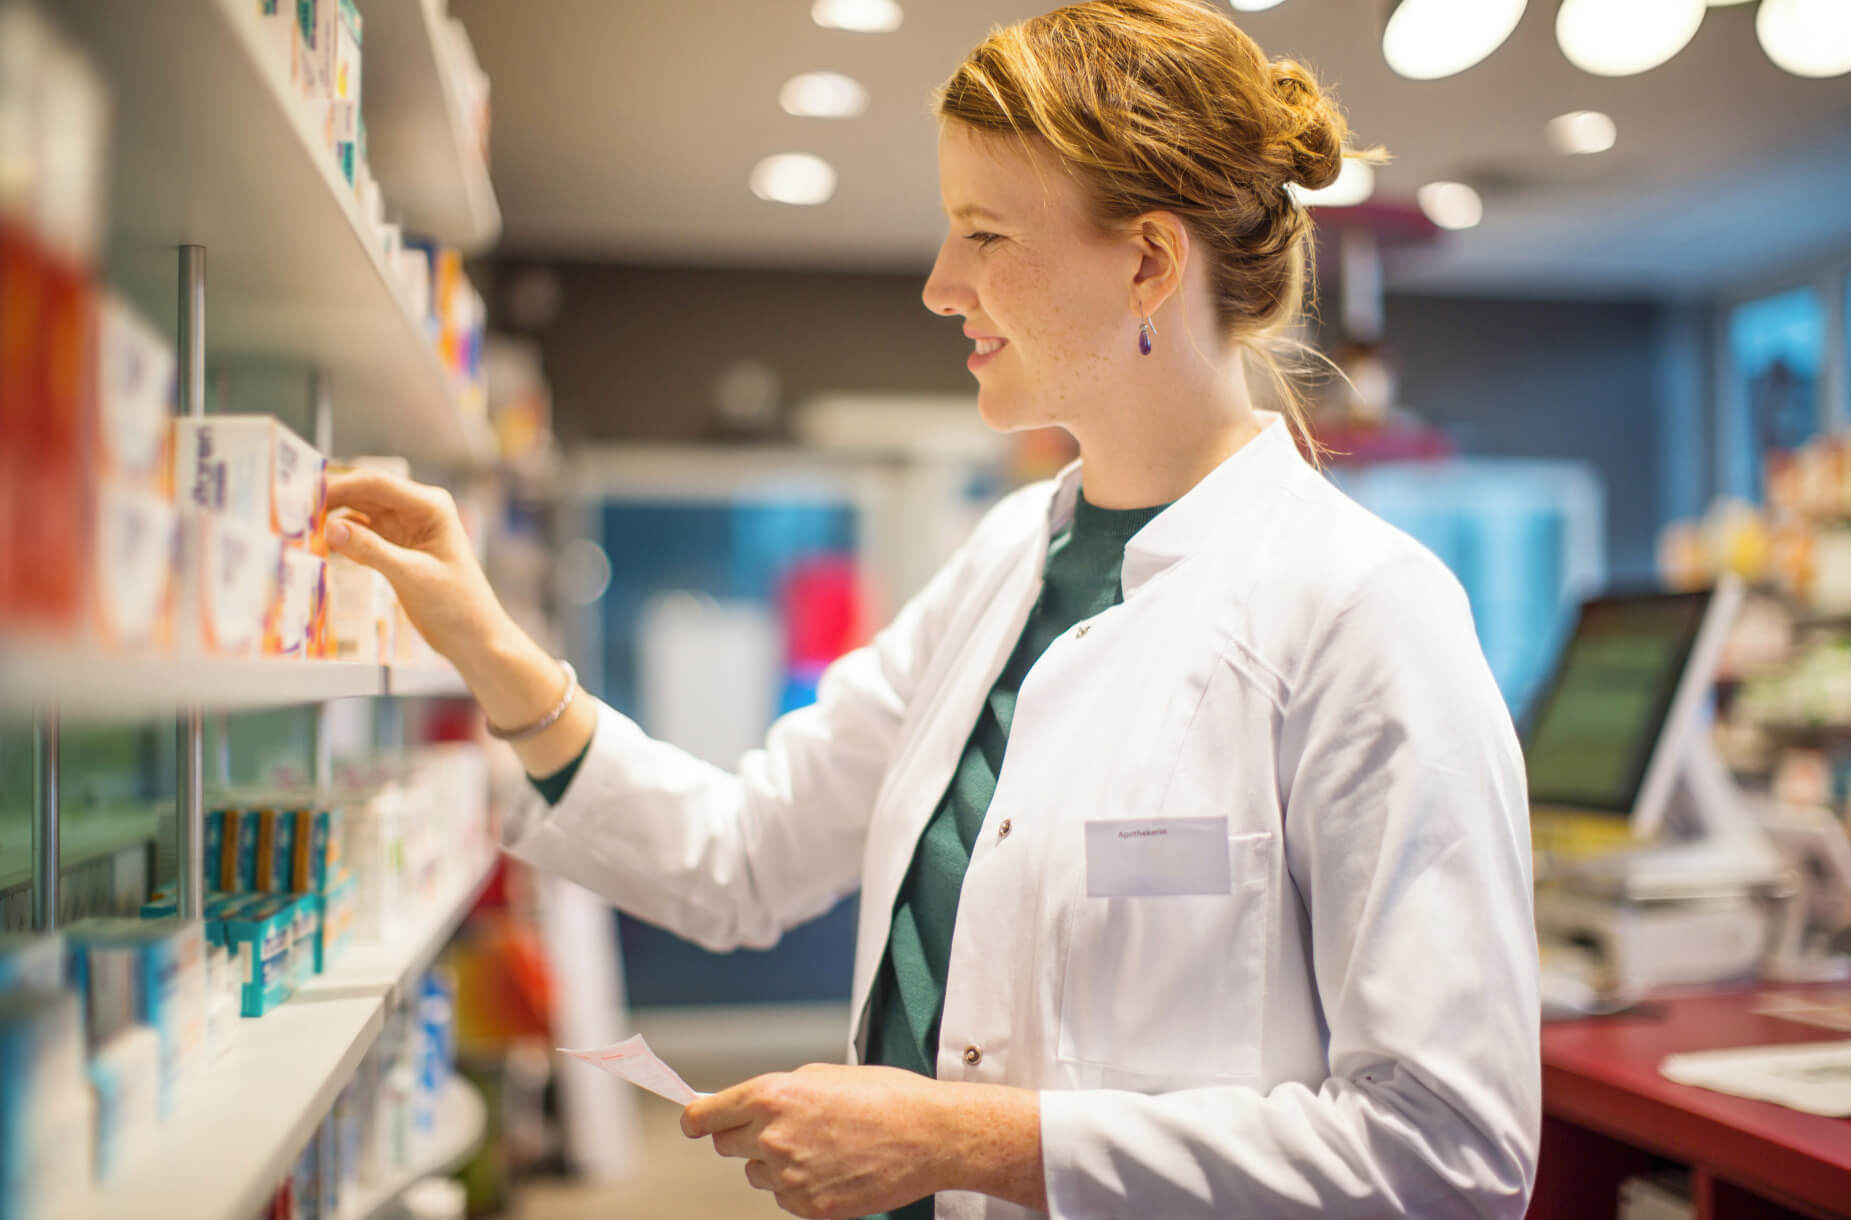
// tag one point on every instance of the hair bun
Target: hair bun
(1312, 136)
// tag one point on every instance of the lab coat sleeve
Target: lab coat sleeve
(1406, 824)
(730, 859)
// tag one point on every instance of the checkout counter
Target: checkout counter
(1675, 914)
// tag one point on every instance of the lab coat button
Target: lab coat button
(1079, 633)
(972, 1056)
(1002, 832)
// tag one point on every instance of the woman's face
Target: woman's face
(1046, 296)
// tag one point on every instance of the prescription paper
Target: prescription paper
(632, 1060)
(1812, 1076)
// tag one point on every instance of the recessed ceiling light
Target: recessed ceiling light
(1581, 132)
(1451, 205)
(1428, 39)
(795, 178)
(1255, 6)
(823, 95)
(1625, 37)
(862, 16)
(1355, 183)
(1806, 37)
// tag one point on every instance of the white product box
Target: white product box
(414, 273)
(126, 1073)
(362, 614)
(252, 468)
(228, 579)
(344, 70)
(297, 622)
(132, 569)
(377, 851)
(134, 389)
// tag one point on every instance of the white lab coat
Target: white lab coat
(1346, 1026)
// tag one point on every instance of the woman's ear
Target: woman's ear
(1163, 246)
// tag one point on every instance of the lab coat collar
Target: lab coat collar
(1206, 513)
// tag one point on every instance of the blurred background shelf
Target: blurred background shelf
(279, 1080)
(438, 680)
(230, 160)
(462, 1119)
(425, 155)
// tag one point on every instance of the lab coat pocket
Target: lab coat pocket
(1165, 967)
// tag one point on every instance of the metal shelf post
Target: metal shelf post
(45, 852)
(190, 819)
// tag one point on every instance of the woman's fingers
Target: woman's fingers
(354, 541)
(375, 493)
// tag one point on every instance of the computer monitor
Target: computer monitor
(1622, 715)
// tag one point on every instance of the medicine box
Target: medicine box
(296, 625)
(47, 1114)
(259, 934)
(31, 959)
(335, 921)
(245, 855)
(253, 469)
(134, 397)
(362, 614)
(165, 976)
(228, 578)
(126, 1074)
(346, 79)
(131, 580)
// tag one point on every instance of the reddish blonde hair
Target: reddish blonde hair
(1166, 105)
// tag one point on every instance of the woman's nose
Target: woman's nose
(943, 294)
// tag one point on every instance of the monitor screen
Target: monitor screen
(1594, 730)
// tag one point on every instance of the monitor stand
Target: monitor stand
(1709, 845)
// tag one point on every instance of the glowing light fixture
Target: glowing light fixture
(823, 95)
(796, 178)
(1806, 37)
(1581, 132)
(1255, 6)
(1428, 39)
(1625, 37)
(862, 16)
(1355, 183)
(1451, 205)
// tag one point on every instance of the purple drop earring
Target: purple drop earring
(1145, 331)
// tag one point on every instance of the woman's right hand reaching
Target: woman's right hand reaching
(411, 534)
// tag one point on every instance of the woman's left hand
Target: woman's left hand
(832, 1142)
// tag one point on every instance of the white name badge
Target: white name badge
(1157, 856)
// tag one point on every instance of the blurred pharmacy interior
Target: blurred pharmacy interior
(640, 285)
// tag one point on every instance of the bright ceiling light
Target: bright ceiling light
(1581, 132)
(862, 16)
(823, 95)
(1355, 183)
(1625, 37)
(1806, 37)
(1428, 39)
(1451, 205)
(1255, 6)
(795, 178)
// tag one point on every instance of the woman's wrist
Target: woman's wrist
(516, 682)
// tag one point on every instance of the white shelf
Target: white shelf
(90, 686)
(212, 148)
(433, 680)
(461, 1120)
(245, 1123)
(425, 156)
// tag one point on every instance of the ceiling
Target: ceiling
(625, 130)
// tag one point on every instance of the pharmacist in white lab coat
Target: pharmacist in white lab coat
(1239, 925)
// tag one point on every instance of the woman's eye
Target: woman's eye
(983, 240)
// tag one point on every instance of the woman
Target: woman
(1188, 822)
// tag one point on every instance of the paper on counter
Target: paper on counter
(1811, 1076)
(632, 1060)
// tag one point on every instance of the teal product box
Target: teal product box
(324, 849)
(282, 834)
(244, 874)
(259, 934)
(215, 849)
(126, 1076)
(149, 971)
(31, 959)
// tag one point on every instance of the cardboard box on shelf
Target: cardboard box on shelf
(362, 614)
(134, 397)
(228, 578)
(131, 577)
(297, 623)
(253, 469)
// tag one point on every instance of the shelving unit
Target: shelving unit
(211, 149)
(426, 157)
(97, 687)
(461, 1119)
(246, 1121)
